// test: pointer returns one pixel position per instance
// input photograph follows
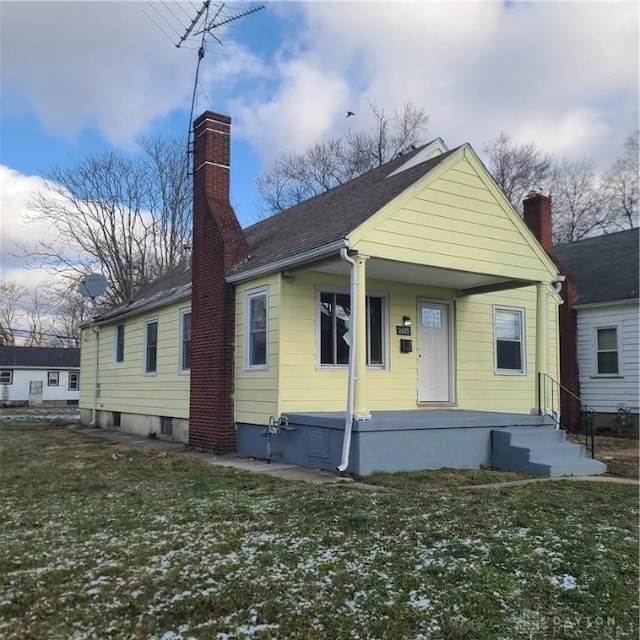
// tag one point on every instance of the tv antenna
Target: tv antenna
(205, 22)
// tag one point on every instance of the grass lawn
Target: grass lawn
(102, 541)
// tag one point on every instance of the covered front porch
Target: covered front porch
(387, 441)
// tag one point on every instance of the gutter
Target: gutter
(298, 259)
(351, 376)
(94, 417)
(557, 286)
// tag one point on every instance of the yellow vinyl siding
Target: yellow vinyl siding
(256, 390)
(455, 218)
(124, 386)
(305, 386)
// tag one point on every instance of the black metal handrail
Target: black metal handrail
(587, 413)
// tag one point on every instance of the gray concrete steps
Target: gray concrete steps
(541, 451)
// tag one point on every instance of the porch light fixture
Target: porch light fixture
(406, 321)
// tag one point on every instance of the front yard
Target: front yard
(102, 541)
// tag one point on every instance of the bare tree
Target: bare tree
(11, 295)
(518, 168)
(295, 177)
(69, 310)
(127, 217)
(579, 208)
(621, 187)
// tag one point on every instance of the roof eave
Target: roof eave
(606, 303)
(293, 261)
(156, 304)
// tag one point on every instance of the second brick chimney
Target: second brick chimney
(537, 215)
(218, 243)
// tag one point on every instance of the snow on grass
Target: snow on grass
(174, 549)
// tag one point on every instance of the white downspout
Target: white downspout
(557, 285)
(351, 376)
(94, 418)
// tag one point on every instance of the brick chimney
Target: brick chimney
(218, 243)
(537, 215)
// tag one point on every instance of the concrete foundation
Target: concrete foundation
(175, 429)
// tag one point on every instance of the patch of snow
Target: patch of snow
(564, 581)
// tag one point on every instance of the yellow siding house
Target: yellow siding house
(406, 319)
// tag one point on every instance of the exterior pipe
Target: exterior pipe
(351, 376)
(94, 412)
(557, 285)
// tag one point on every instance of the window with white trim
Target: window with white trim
(118, 343)
(6, 376)
(74, 380)
(150, 346)
(607, 363)
(335, 329)
(53, 378)
(508, 328)
(185, 340)
(256, 330)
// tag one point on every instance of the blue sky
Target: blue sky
(78, 77)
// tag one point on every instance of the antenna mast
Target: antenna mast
(204, 24)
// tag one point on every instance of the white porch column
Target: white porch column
(360, 410)
(541, 342)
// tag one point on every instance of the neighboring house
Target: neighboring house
(605, 309)
(398, 321)
(39, 376)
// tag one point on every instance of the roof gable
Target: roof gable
(605, 268)
(456, 217)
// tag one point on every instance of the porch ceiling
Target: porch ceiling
(379, 269)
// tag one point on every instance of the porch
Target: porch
(388, 441)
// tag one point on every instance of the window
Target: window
(6, 376)
(150, 345)
(607, 352)
(53, 378)
(185, 341)
(256, 330)
(118, 354)
(74, 380)
(166, 425)
(335, 329)
(509, 339)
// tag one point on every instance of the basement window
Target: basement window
(116, 418)
(508, 327)
(166, 425)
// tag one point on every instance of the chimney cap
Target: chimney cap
(537, 193)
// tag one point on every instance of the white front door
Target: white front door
(434, 352)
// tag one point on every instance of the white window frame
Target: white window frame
(523, 342)
(595, 351)
(385, 366)
(3, 372)
(76, 387)
(181, 368)
(248, 297)
(115, 342)
(145, 367)
(53, 375)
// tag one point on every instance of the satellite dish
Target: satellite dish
(93, 285)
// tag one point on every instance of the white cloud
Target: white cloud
(564, 74)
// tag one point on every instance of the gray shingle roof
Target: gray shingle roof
(605, 267)
(173, 285)
(45, 357)
(331, 215)
(314, 223)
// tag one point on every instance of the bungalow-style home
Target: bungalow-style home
(39, 376)
(402, 320)
(604, 307)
